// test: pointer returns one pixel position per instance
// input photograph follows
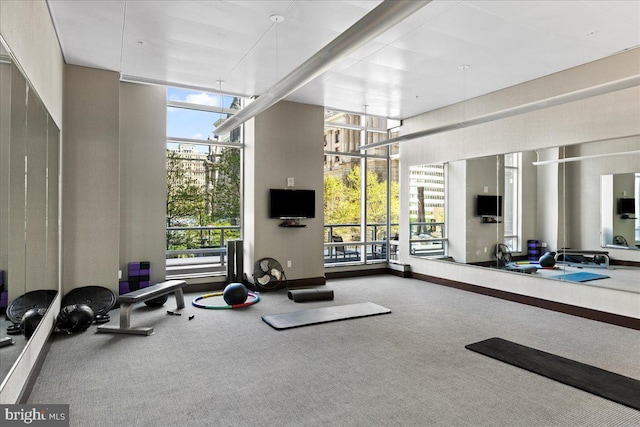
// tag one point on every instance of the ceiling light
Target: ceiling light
(276, 18)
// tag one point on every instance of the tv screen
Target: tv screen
(489, 205)
(626, 206)
(285, 204)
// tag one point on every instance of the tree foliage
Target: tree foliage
(189, 203)
(342, 200)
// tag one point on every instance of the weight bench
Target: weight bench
(564, 252)
(143, 294)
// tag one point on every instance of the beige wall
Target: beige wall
(114, 178)
(284, 141)
(27, 28)
(143, 177)
(91, 179)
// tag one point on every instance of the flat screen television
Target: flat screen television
(292, 204)
(626, 206)
(489, 205)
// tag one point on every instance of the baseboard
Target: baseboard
(309, 281)
(587, 313)
(357, 273)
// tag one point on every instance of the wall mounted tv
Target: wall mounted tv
(292, 204)
(489, 205)
(626, 206)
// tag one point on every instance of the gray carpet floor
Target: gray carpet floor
(407, 368)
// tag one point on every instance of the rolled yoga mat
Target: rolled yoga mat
(612, 386)
(302, 295)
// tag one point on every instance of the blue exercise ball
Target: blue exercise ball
(547, 260)
(235, 293)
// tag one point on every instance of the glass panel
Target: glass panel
(511, 215)
(203, 98)
(193, 124)
(203, 197)
(376, 207)
(378, 123)
(394, 202)
(342, 195)
(340, 117)
(427, 209)
(376, 137)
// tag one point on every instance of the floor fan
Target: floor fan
(268, 274)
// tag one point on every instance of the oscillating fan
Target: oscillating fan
(268, 273)
(503, 254)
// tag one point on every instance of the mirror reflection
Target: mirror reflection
(509, 211)
(619, 198)
(29, 176)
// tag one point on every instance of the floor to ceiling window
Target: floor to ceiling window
(357, 189)
(203, 182)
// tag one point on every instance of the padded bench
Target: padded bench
(564, 252)
(143, 294)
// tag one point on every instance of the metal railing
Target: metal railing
(204, 247)
(427, 239)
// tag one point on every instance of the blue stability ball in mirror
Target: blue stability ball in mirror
(235, 293)
(547, 260)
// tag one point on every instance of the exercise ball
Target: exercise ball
(547, 260)
(30, 320)
(235, 293)
(157, 302)
(75, 318)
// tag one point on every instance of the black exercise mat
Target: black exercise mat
(315, 316)
(594, 380)
(303, 295)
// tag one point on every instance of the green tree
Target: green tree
(185, 199)
(185, 204)
(224, 182)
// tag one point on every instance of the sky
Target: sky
(185, 123)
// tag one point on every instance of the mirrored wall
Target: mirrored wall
(577, 203)
(29, 204)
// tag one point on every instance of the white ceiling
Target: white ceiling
(412, 68)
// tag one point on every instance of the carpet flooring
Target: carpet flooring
(407, 368)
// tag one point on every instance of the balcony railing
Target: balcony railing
(427, 239)
(202, 249)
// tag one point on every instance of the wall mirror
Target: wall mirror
(29, 203)
(535, 202)
(619, 200)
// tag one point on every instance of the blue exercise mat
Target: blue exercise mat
(582, 276)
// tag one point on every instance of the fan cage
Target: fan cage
(268, 274)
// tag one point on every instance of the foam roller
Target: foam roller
(302, 295)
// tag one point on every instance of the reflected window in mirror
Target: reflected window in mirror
(512, 201)
(637, 210)
(427, 201)
(620, 222)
